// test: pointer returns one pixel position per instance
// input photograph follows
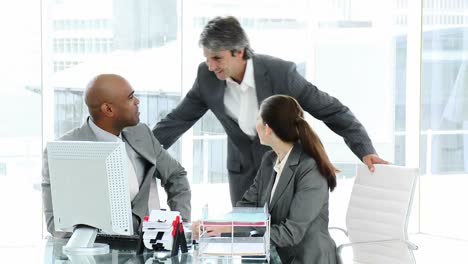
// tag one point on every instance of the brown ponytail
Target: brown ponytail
(313, 146)
(286, 118)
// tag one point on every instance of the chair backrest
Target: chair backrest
(379, 209)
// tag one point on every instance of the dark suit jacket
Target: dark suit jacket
(160, 164)
(299, 208)
(272, 76)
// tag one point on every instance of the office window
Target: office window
(3, 169)
(98, 42)
(444, 121)
(20, 119)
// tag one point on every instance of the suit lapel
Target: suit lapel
(140, 146)
(262, 80)
(145, 149)
(287, 174)
(217, 90)
(269, 187)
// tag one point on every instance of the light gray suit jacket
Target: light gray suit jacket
(299, 208)
(159, 164)
(272, 76)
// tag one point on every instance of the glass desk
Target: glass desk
(125, 253)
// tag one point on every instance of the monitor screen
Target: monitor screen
(89, 187)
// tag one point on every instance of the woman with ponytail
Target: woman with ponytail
(294, 179)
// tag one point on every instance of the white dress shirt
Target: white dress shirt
(240, 101)
(105, 136)
(279, 165)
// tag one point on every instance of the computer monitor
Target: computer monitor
(90, 194)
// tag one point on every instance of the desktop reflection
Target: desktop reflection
(120, 253)
(125, 252)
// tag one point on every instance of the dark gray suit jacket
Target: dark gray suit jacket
(299, 208)
(159, 164)
(272, 76)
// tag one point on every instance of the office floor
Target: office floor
(436, 249)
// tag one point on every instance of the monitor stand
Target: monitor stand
(82, 242)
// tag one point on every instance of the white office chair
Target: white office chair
(378, 214)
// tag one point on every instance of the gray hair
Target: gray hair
(225, 33)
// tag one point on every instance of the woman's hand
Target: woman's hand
(217, 230)
(195, 230)
(211, 230)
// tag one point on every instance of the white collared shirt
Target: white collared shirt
(279, 165)
(240, 101)
(102, 135)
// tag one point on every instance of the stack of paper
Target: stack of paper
(239, 241)
(239, 219)
(157, 230)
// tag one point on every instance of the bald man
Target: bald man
(114, 116)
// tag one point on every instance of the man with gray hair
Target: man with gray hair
(232, 83)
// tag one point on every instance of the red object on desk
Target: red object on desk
(175, 223)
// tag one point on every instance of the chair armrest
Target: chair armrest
(409, 244)
(339, 228)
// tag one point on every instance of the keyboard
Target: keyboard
(120, 242)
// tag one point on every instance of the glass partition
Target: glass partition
(444, 118)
